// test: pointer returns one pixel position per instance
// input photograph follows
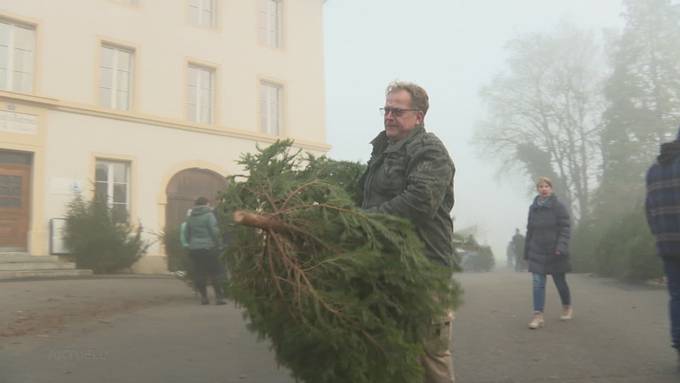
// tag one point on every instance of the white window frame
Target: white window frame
(113, 92)
(271, 23)
(110, 183)
(201, 7)
(271, 108)
(194, 114)
(11, 56)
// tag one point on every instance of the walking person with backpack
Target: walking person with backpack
(204, 243)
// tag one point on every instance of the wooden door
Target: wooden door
(185, 187)
(14, 205)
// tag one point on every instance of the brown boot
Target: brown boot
(537, 320)
(567, 313)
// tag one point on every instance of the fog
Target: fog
(452, 48)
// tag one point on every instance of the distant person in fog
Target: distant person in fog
(547, 249)
(510, 255)
(662, 206)
(518, 246)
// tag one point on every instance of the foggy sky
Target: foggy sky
(452, 48)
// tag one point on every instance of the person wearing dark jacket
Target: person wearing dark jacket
(518, 241)
(410, 175)
(547, 249)
(204, 241)
(662, 206)
(510, 255)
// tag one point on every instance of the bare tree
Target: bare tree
(544, 112)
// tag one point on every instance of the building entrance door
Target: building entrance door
(15, 191)
(185, 187)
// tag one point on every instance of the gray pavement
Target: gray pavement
(619, 333)
(125, 330)
(153, 330)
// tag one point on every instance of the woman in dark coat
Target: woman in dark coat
(547, 249)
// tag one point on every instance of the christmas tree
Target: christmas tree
(344, 296)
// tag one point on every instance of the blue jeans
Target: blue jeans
(672, 268)
(539, 290)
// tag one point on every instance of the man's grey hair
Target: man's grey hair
(419, 98)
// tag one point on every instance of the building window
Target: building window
(201, 94)
(116, 71)
(202, 13)
(112, 185)
(270, 108)
(17, 52)
(271, 23)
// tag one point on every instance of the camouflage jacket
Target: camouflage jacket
(413, 179)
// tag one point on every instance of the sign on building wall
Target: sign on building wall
(18, 123)
(65, 186)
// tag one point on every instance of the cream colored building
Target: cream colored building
(143, 100)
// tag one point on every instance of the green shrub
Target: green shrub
(177, 256)
(97, 241)
(626, 249)
(585, 236)
(643, 263)
(474, 257)
(480, 259)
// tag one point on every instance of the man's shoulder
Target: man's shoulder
(426, 141)
(663, 171)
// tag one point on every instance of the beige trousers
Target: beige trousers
(437, 360)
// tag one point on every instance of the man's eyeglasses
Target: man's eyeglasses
(396, 112)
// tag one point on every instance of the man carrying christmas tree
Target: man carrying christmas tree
(410, 175)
